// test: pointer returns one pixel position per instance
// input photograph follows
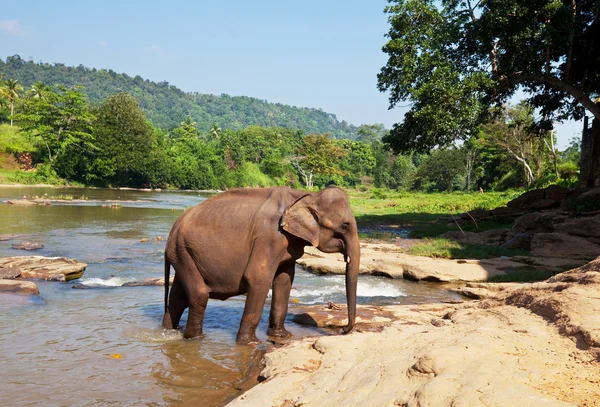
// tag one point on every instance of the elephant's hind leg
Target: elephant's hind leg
(178, 302)
(197, 294)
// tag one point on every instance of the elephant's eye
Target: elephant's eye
(345, 226)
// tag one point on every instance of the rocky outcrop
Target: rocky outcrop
(387, 259)
(540, 198)
(549, 244)
(368, 317)
(528, 345)
(18, 287)
(46, 268)
(541, 226)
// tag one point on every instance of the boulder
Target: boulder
(587, 227)
(19, 287)
(336, 316)
(28, 246)
(544, 204)
(557, 193)
(538, 221)
(520, 241)
(9, 272)
(46, 268)
(561, 244)
(525, 200)
(587, 201)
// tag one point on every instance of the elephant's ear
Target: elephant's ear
(300, 220)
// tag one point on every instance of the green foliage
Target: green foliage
(450, 249)
(123, 139)
(61, 120)
(453, 59)
(166, 106)
(13, 140)
(249, 175)
(428, 215)
(441, 171)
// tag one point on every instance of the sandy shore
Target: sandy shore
(528, 345)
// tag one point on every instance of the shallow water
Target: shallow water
(63, 348)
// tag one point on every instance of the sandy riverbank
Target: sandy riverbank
(530, 345)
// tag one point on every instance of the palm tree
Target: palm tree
(10, 91)
(38, 90)
(214, 131)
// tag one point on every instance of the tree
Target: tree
(452, 59)
(317, 155)
(62, 120)
(368, 133)
(441, 170)
(125, 139)
(10, 90)
(38, 90)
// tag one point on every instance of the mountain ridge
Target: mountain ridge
(166, 105)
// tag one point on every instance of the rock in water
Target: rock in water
(28, 246)
(21, 202)
(19, 287)
(9, 273)
(47, 268)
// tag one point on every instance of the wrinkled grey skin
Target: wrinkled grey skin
(246, 241)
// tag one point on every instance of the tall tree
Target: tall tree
(124, 138)
(10, 90)
(452, 59)
(512, 129)
(62, 120)
(38, 90)
(317, 155)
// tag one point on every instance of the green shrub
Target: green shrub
(12, 140)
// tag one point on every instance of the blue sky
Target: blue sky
(323, 54)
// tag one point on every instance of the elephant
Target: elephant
(247, 241)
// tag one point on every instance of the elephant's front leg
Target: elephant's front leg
(255, 302)
(282, 285)
(259, 275)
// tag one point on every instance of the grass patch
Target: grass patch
(31, 178)
(450, 249)
(426, 214)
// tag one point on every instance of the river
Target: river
(105, 346)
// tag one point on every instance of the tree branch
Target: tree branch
(579, 95)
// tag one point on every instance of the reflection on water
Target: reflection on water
(56, 349)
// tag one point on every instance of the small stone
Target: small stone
(19, 287)
(143, 240)
(28, 246)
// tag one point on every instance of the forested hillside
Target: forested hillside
(167, 106)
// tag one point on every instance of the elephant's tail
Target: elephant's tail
(167, 277)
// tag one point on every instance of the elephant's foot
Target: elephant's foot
(247, 339)
(192, 333)
(279, 332)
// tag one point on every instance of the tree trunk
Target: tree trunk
(589, 175)
(12, 111)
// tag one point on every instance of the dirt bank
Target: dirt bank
(528, 345)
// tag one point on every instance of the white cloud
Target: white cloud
(14, 28)
(103, 43)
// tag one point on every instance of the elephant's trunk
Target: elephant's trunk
(352, 257)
